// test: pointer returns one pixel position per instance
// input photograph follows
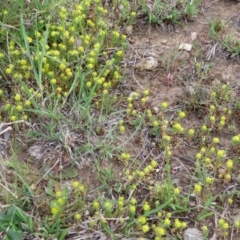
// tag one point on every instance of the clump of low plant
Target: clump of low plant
(79, 53)
(170, 11)
(229, 42)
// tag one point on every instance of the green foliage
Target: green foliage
(52, 60)
(67, 55)
(229, 42)
(215, 27)
(232, 45)
(14, 222)
(173, 11)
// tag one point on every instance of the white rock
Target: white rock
(129, 30)
(185, 46)
(193, 36)
(147, 64)
(192, 234)
(156, 110)
(189, 90)
(164, 41)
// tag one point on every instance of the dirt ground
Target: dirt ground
(175, 76)
(162, 43)
(175, 73)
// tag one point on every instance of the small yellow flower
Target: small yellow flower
(62, 66)
(19, 108)
(96, 205)
(203, 150)
(160, 231)
(220, 153)
(176, 191)
(229, 164)
(177, 224)
(134, 112)
(155, 123)
(55, 210)
(105, 92)
(58, 89)
(120, 204)
(225, 225)
(167, 222)
(135, 95)
(122, 129)
(77, 216)
(209, 180)
(212, 119)
(168, 153)
(29, 39)
(212, 150)
(119, 53)
(71, 40)
(59, 194)
(230, 201)
(169, 214)
(236, 139)
(204, 128)
(76, 184)
(164, 106)
(81, 188)
(28, 103)
(108, 206)
(88, 84)
(53, 81)
(132, 209)
(197, 188)
(178, 128)
(237, 224)
(154, 163)
(133, 201)
(221, 222)
(215, 140)
(144, 100)
(8, 70)
(183, 225)
(38, 95)
(13, 118)
(145, 92)
(17, 97)
(205, 229)
(146, 207)
(61, 201)
(181, 114)
(228, 177)
(7, 106)
(198, 156)
(222, 123)
(130, 178)
(142, 220)
(212, 108)
(145, 228)
(133, 14)
(125, 156)
(141, 174)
